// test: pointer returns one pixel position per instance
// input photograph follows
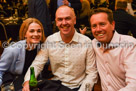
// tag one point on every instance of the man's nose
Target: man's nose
(64, 22)
(98, 28)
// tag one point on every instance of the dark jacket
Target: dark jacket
(39, 9)
(76, 4)
(124, 22)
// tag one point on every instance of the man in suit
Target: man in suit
(39, 9)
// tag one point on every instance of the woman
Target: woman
(16, 58)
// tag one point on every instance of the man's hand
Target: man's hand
(65, 2)
(83, 31)
(26, 86)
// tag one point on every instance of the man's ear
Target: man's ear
(126, 9)
(56, 22)
(75, 20)
(113, 24)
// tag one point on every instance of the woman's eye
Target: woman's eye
(39, 31)
(32, 30)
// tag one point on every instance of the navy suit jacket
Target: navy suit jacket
(124, 22)
(39, 9)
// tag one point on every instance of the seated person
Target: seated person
(115, 53)
(70, 53)
(16, 58)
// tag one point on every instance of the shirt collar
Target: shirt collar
(115, 38)
(114, 43)
(74, 39)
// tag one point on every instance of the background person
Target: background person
(129, 7)
(54, 4)
(115, 53)
(39, 10)
(83, 14)
(124, 22)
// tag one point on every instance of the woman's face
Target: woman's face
(34, 33)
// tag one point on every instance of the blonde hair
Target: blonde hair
(25, 25)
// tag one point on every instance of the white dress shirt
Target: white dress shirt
(72, 63)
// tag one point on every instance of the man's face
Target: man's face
(101, 28)
(65, 21)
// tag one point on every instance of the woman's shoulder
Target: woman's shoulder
(15, 47)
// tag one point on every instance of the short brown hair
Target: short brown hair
(103, 10)
(25, 25)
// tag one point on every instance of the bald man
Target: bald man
(71, 55)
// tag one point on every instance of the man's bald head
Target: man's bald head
(66, 9)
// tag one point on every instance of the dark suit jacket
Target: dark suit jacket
(124, 22)
(39, 10)
(76, 4)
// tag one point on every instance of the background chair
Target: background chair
(3, 36)
(3, 33)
